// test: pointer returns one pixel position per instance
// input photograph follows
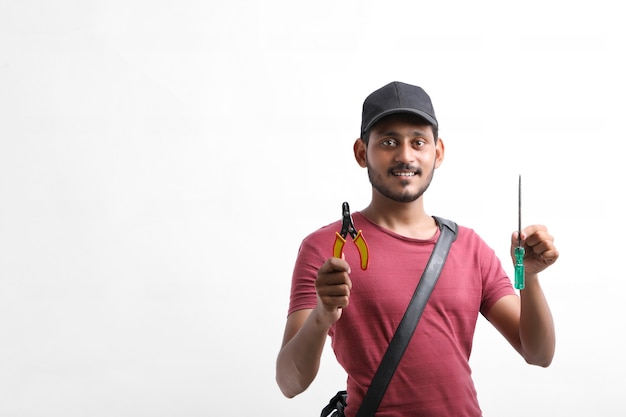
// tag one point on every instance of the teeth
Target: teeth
(405, 174)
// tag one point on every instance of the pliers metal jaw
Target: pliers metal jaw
(347, 228)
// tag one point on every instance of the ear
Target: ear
(360, 152)
(439, 152)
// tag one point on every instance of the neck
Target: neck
(406, 219)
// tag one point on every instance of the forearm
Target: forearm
(537, 333)
(299, 359)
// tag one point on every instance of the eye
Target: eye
(388, 143)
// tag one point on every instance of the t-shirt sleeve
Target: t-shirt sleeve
(309, 259)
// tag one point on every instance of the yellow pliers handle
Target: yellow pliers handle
(360, 243)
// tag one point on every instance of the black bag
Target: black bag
(405, 330)
(335, 405)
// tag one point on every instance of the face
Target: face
(401, 157)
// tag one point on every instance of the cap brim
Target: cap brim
(400, 110)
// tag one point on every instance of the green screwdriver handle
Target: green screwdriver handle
(519, 268)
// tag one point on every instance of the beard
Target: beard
(404, 196)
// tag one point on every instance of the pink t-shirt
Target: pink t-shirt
(433, 377)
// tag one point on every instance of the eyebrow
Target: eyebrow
(414, 133)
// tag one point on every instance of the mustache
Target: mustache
(405, 167)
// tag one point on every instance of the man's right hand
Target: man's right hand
(333, 287)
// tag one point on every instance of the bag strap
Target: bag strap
(409, 321)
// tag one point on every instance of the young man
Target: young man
(360, 309)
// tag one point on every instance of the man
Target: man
(360, 309)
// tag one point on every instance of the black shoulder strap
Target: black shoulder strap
(407, 326)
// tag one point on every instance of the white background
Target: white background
(161, 161)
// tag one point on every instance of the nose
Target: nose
(405, 152)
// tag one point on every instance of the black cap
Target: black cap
(394, 98)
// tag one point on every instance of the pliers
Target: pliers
(347, 227)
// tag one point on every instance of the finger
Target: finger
(514, 239)
(541, 244)
(335, 271)
(334, 265)
(545, 250)
(333, 279)
(338, 290)
(550, 256)
(334, 302)
(535, 232)
(334, 295)
(541, 239)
